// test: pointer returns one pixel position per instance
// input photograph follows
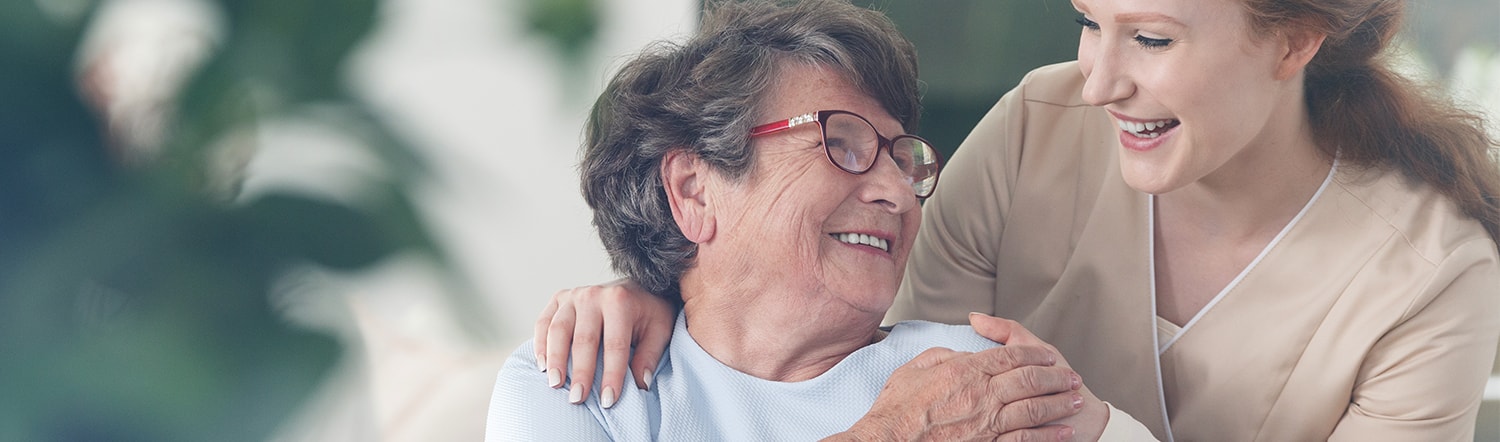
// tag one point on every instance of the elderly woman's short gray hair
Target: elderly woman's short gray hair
(704, 95)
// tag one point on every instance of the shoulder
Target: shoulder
(521, 367)
(524, 407)
(921, 335)
(1428, 248)
(1421, 222)
(1044, 119)
(1058, 84)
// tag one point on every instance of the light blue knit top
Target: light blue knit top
(696, 398)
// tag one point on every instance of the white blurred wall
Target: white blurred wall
(498, 116)
(494, 110)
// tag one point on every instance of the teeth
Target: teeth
(1143, 130)
(857, 238)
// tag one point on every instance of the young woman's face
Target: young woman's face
(1188, 85)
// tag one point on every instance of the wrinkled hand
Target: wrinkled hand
(1004, 393)
(1089, 423)
(618, 314)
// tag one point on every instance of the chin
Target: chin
(1147, 177)
(876, 300)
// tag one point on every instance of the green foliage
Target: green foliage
(570, 24)
(133, 299)
(972, 51)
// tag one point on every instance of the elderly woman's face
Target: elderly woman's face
(802, 223)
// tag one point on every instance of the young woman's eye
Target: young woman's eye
(1086, 23)
(1152, 43)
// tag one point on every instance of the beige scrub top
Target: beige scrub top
(1375, 316)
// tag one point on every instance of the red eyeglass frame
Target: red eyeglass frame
(821, 117)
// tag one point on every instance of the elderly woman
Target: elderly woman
(761, 176)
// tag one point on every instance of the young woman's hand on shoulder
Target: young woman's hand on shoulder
(620, 315)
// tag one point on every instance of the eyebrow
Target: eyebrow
(1142, 17)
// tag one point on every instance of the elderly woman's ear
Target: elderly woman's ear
(684, 176)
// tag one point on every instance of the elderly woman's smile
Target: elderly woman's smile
(862, 239)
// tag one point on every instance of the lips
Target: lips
(863, 239)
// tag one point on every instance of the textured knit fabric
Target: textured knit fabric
(696, 398)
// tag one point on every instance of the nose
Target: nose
(885, 185)
(1104, 80)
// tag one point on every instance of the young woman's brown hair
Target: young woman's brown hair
(1368, 115)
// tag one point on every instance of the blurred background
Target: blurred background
(333, 220)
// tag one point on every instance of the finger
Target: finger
(1033, 381)
(559, 341)
(993, 328)
(1002, 359)
(1033, 412)
(1019, 335)
(651, 343)
(1047, 433)
(539, 330)
(587, 334)
(616, 342)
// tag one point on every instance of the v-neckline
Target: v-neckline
(1151, 260)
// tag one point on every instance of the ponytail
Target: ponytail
(1369, 116)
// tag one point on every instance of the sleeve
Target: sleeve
(523, 407)
(951, 269)
(1425, 378)
(1122, 427)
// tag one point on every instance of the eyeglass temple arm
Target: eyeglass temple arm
(784, 124)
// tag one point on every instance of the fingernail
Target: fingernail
(554, 378)
(575, 394)
(541, 361)
(608, 397)
(649, 378)
(971, 314)
(1077, 401)
(1065, 433)
(1077, 382)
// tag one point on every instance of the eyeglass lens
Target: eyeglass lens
(853, 145)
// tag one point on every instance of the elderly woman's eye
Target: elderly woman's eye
(903, 159)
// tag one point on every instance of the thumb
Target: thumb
(996, 329)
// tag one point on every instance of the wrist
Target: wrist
(1095, 421)
(870, 428)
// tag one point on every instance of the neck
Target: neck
(758, 333)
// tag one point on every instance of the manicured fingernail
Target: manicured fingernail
(541, 361)
(1065, 433)
(649, 378)
(971, 314)
(608, 397)
(1077, 382)
(575, 395)
(1077, 401)
(554, 378)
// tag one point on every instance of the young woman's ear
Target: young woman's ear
(1300, 47)
(684, 177)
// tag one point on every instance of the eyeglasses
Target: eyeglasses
(852, 144)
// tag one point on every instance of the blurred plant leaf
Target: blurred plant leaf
(570, 24)
(133, 301)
